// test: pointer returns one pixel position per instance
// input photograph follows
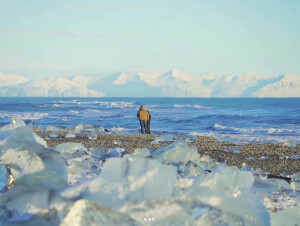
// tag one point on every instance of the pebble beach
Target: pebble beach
(274, 159)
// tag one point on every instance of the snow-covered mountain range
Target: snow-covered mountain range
(154, 84)
(47, 87)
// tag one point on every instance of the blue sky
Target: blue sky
(95, 37)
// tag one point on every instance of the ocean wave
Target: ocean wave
(93, 111)
(74, 112)
(24, 116)
(242, 139)
(118, 104)
(253, 130)
(195, 106)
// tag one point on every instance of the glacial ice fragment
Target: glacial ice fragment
(68, 149)
(51, 129)
(291, 143)
(86, 213)
(53, 135)
(141, 152)
(93, 137)
(287, 217)
(3, 177)
(15, 123)
(128, 179)
(163, 138)
(42, 218)
(177, 152)
(271, 185)
(30, 163)
(179, 211)
(229, 189)
(70, 135)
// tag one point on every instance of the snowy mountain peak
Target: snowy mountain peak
(49, 87)
(11, 79)
(288, 86)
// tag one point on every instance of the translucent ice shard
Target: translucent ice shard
(70, 135)
(86, 213)
(44, 217)
(15, 123)
(119, 131)
(291, 143)
(31, 164)
(141, 152)
(3, 177)
(68, 149)
(271, 185)
(128, 179)
(229, 189)
(51, 129)
(163, 138)
(177, 152)
(287, 217)
(116, 152)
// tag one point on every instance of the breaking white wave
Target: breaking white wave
(257, 139)
(252, 130)
(118, 104)
(74, 112)
(195, 106)
(24, 116)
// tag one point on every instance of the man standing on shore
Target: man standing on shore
(144, 117)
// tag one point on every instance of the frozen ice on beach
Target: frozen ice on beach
(287, 217)
(271, 185)
(116, 152)
(264, 158)
(234, 150)
(83, 168)
(163, 138)
(128, 179)
(229, 190)
(99, 129)
(79, 128)
(291, 143)
(68, 149)
(88, 128)
(176, 152)
(70, 135)
(21, 200)
(86, 213)
(15, 123)
(119, 131)
(93, 137)
(190, 170)
(44, 217)
(179, 211)
(52, 129)
(118, 142)
(31, 164)
(97, 152)
(141, 152)
(53, 135)
(3, 177)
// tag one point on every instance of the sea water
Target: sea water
(242, 120)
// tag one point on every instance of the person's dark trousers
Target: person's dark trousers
(143, 127)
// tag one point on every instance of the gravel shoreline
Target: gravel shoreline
(271, 158)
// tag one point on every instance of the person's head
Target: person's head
(142, 108)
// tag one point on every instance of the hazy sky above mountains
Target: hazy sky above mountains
(96, 37)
